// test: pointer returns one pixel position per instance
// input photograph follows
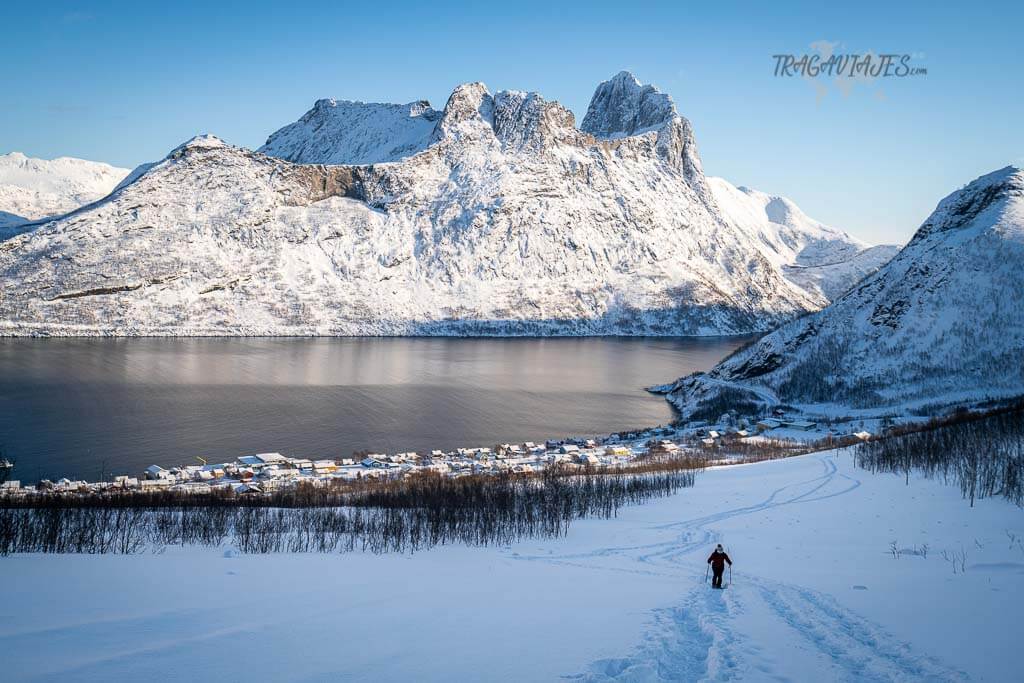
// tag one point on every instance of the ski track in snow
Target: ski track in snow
(695, 640)
(860, 650)
(688, 642)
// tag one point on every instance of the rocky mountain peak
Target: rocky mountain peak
(622, 106)
(528, 121)
(469, 104)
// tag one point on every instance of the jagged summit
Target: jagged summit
(358, 133)
(622, 106)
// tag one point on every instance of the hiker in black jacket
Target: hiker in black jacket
(717, 561)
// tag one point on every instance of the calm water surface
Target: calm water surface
(82, 407)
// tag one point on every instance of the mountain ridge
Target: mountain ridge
(510, 221)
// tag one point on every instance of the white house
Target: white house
(568, 449)
(156, 472)
(768, 423)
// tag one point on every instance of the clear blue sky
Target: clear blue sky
(126, 82)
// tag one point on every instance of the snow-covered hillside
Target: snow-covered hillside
(817, 257)
(33, 189)
(942, 322)
(512, 221)
(815, 595)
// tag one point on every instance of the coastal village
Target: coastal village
(270, 472)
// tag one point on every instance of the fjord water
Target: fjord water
(83, 408)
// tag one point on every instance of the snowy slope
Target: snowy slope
(342, 132)
(815, 256)
(511, 221)
(32, 189)
(942, 322)
(815, 597)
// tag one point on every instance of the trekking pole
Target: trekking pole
(706, 572)
(730, 574)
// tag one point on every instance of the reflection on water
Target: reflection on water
(80, 407)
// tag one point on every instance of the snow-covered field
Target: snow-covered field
(816, 596)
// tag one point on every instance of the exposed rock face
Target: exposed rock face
(502, 218)
(34, 189)
(622, 107)
(941, 323)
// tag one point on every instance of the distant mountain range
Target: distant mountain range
(35, 189)
(818, 258)
(941, 323)
(494, 216)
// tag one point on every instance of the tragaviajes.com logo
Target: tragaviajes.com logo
(870, 65)
(827, 65)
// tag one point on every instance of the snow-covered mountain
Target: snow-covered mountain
(821, 259)
(512, 220)
(496, 216)
(941, 323)
(33, 189)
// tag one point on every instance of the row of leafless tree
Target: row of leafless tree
(402, 515)
(982, 453)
